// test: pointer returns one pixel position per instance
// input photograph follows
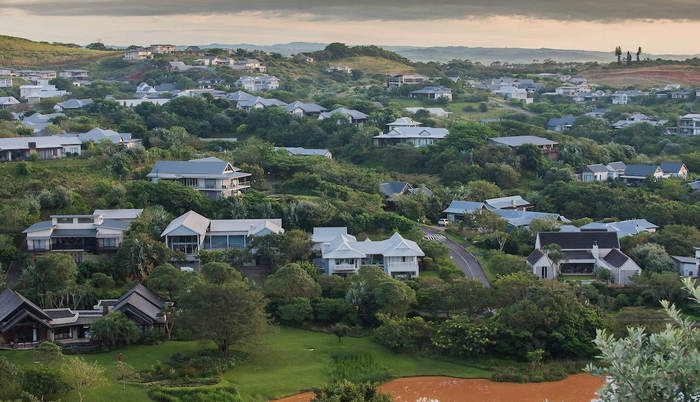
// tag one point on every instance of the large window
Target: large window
(86, 220)
(64, 220)
(186, 244)
(189, 182)
(236, 241)
(39, 244)
(218, 242)
(63, 333)
(111, 242)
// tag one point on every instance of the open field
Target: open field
(373, 65)
(646, 77)
(18, 52)
(456, 108)
(283, 365)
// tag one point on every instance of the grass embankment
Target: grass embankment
(646, 77)
(373, 65)
(283, 364)
(21, 52)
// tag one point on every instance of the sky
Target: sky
(658, 26)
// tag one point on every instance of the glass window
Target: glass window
(112, 242)
(236, 241)
(86, 220)
(39, 244)
(218, 242)
(64, 220)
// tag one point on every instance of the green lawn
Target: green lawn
(578, 277)
(283, 364)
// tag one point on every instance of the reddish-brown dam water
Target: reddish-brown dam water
(576, 388)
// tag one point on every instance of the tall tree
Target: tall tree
(618, 53)
(226, 314)
(81, 375)
(292, 281)
(639, 53)
(629, 58)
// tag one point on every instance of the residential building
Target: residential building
(249, 65)
(5, 82)
(617, 169)
(625, 97)
(139, 54)
(418, 136)
(258, 83)
(191, 232)
(674, 169)
(97, 135)
(636, 119)
(521, 219)
(550, 149)
(629, 227)
(215, 93)
(259, 103)
(516, 93)
(392, 190)
(82, 236)
(299, 151)
(515, 202)
(73, 74)
(689, 125)
(305, 109)
(457, 209)
(24, 325)
(598, 112)
(561, 124)
(434, 111)
(353, 116)
(156, 49)
(304, 57)
(35, 74)
(207, 61)
(344, 69)
(51, 147)
(136, 102)
(193, 49)
(688, 266)
(399, 80)
(584, 253)
(398, 257)
(600, 172)
(212, 176)
(325, 235)
(8, 101)
(404, 122)
(637, 173)
(41, 89)
(433, 93)
(71, 104)
(38, 121)
(211, 82)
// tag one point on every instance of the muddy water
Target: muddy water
(576, 388)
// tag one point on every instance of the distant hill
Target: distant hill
(446, 53)
(19, 52)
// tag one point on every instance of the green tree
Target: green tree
(639, 53)
(48, 353)
(296, 245)
(485, 221)
(652, 368)
(220, 273)
(679, 239)
(139, 253)
(505, 264)
(225, 314)
(82, 376)
(43, 382)
(554, 253)
(605, 275)
(652, 257)
(346, 391)
(114, 329)
(292, 281)
(394, 297)
(618, 54)
(339, 330)
(510, 289)
(55, 271)
(408, 335)
(124, 372)
(531, 157)
(10, 378)
(298, 311)
(480, 190)
(166, 280)
(460, 336)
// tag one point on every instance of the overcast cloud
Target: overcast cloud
(608, 11)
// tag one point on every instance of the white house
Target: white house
(41, 89)
(5, 82)
(71, 104)
(74, 74)
(304, 109)
(600, 172)
(97, 134)
(674, 169)
(397, 256)
(689, 124)
(629, 227)
(325, 235)
(139, 54)
(160, 48)
(191, 232)
(418, 136)
(8, 101)
(80, 234)
(399, 80)
(259, 103)
(51, 147)
(212, 176)
(638, 173)
(625, 97)
(688, 266)
(258, 83)
(635, 119)
(344, 69)
(432, 93)
(584, 253)
(38, 121)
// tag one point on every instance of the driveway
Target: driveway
(464, 259)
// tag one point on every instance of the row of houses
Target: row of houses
(566, 123)
(633, 173)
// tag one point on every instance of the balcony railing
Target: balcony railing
(345, 267)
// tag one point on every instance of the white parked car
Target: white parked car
(443, 222)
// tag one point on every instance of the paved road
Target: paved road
(512, 108)
(464, 259)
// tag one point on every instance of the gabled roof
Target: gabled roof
(563, 121)
(520, 140)
(74, 103)
(432, 90)
(39, 226)
(534, 257)
(190, 220)
(390, 188)
(624, 228)
(248, 226)
(641, 170)
(354, 114)
(239, 96)
(306, 107)
(617, 165)
(579, 240)
(506, 202)
(142, 300)
(395, 246)
(10, 301)
(304, 151)
(672, 167)
(414, 132)
(204, 166)
(616, 258)
(37, 142)
(404, 122)
(263, 101)
(327, 234)
(597, 168)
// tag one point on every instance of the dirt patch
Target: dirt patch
(645, 77)
(576, 388)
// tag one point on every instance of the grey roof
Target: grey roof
(306, 107)
(563, 121)
(578, 255)
(432, 90)
(390, 188)
(39, 226)
(534, 257)
(579, 240)
(421, 189)
(616, 258)
(624, 228)
(404, 122)
(326, 234)
(119, 214)
(167, 87)
(640, 170)
(204, 166)
(10, 301)
(239, 96)
(304, 151)
(671, 167)
(141, 299)
(74, 233)
(60, 313)
(191, 220)
(414, 132)
(597, 168)
(684, 260)
(618, 165)
(16, 143)
(519, 140)
(250, 227)
(506, 202)
(74, 103)
(523, 218)
(263, 101)
(343, 247)
(114, 224)
(354, 114)
(461, 207)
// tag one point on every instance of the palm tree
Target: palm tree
(618, 53)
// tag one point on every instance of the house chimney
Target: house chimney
(105, 308)
(513, 201)
(594, 249)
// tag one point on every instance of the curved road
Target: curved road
(464, 259)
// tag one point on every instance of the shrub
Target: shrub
(332, 311)
(358, 368)
(43, 382)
